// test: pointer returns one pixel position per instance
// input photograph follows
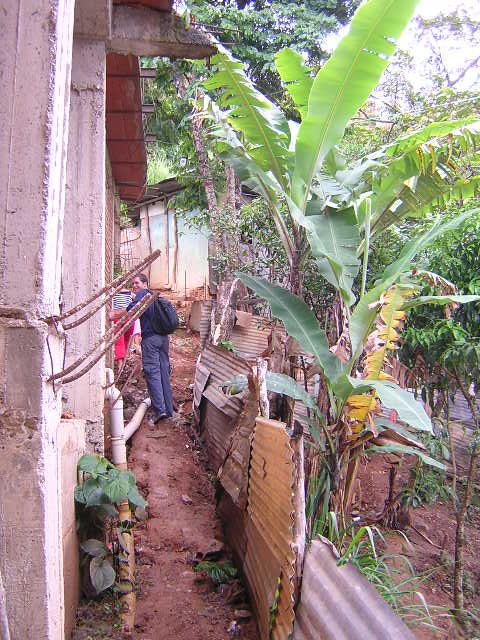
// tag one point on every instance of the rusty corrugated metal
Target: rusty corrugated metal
(250, 342)
(235, 527)
(217, 430)
(221, 412)
(202, 375)
(462, 436)
(338, 603)
(205, 317)
(270, 556)
(233, 473)
(223, 365)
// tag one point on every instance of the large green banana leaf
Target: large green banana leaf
(344, 83)
(295, 76)
(412, 141)
(334, 238)
(299, 321)
(263, 126)
(364, 313)
(280, 383)
(415, 200)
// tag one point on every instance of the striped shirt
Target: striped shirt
(122, 299)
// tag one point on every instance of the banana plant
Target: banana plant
(299, 164)
(333, 212)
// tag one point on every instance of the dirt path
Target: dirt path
(174, 602)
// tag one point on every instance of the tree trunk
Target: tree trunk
(296, 275)
(223, 312)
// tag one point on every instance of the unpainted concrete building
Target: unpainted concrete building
(183, 266)
(71, 145)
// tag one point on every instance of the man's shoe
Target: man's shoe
(159, 416)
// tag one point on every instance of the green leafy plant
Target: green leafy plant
(428, 484)
(391, 574)
(227, 344)
(96, 501)
(218, 572)
(322, 208)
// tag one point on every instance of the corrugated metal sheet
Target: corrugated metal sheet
(223, 365)
(217, 430)
(233, 473)
(338, 603)
(460, 411)
(235, 527)
(221, 412)
(270, 561)
(462, 436)
(250, 342)
(202, 375)
(205, 321)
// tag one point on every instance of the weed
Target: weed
(217, 571)
(227, 344)
(95, 501)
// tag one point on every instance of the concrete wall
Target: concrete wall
(35, 59)
(71, 446)
(192, 252)
(83, 269)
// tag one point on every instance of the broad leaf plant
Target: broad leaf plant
(334, 213)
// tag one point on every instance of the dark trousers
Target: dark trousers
(156, 367)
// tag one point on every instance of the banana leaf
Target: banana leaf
(262, 125)
(300, 323)
(393, 397)
(344, 83)
(295, 77)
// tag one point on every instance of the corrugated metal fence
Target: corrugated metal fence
(260, 468)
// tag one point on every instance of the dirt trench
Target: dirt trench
(175, 602)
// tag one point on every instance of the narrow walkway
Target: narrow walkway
(175, 603)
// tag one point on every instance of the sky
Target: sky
(455, 52)
(429, 8)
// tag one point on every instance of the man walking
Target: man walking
(156, 365)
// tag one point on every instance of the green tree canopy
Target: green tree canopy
(255, 31)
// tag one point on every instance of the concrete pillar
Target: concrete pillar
(35, 60)
(83, 269)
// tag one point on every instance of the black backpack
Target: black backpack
(164, 317)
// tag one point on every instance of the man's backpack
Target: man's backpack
(164, 317)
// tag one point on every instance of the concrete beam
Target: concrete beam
(93, 19)
(35, 60)
(141, 31)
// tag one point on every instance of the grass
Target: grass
(392, 575)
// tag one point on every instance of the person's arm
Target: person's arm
(115, 314)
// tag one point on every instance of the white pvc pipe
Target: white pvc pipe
(119, 452)
(136, 421)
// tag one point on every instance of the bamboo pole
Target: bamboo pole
(113, 331)
(118, 283)
(103, 352)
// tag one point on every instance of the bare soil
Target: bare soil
(436, 522)
(173, 601)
